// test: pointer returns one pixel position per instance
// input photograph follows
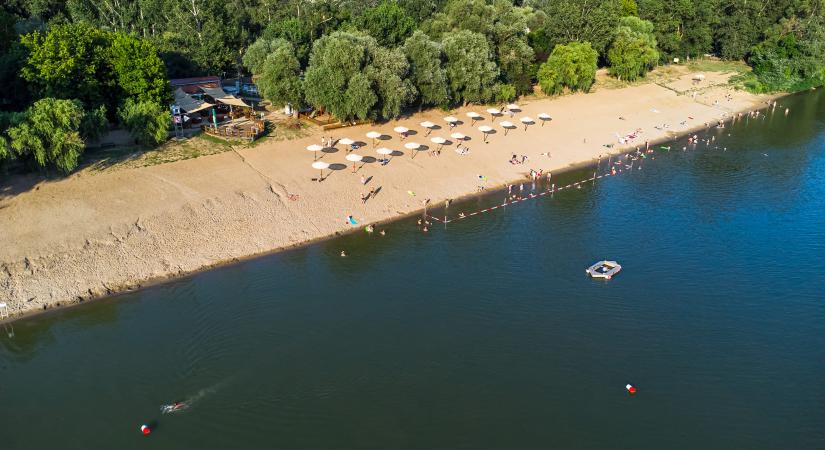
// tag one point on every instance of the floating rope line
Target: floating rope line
(445, 220)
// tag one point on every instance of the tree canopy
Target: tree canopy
(470, 67)
(633, 51)
(572, 66)
(49, 134)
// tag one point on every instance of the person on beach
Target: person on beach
(363, 198)
(363, 179)
(372, 191)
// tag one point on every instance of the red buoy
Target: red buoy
(145, 430)
(630, 388)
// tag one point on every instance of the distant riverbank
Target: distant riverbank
(99, 233)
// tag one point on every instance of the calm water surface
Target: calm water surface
(483, 335)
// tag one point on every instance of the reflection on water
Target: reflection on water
(484, 333)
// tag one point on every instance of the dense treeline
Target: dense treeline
(366, 58)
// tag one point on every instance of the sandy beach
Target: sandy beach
(97, 233)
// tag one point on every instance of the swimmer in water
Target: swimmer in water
(174, 407)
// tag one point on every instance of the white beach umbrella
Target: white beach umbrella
(544, 117)
(507, 125)
(401, 130)
(374, 135)
(320, 165)
(385, 151)
(412, 146)
(513, 107)
(428, 125)
(526, 121)
(354, 158)
(438, 140)
(450, 119)
(473, 117)
(494, 112)
(346, 141)
(486, 130)
(315, 148)
(458, 136)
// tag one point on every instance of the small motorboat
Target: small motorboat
(604, 269)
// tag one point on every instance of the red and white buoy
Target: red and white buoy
(630, 388)
(145, 430)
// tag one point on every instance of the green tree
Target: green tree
(148, 122)
(70, 61)
(427, 73)
(387, 71)
(371, 78)
(49, 134)
(470, 68)
(387, 22)
(296, 31)
(682, 27)
(629, 8)
(633, 51)
(575, 20)
(138, 70)
(279, 79)
(515, 60)
(572, 66)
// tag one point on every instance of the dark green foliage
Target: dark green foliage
(148, 122)
(138, 70)
(351, 76)
(279, 76)
(427, 74)
(577, 20)
(791, 58)
(633, 51)
(296, 32)
(572, 66)
(388, 23)
(94, 123)
(470, 68)
(70, 61)
(77, 61)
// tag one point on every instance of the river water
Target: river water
(484, 334)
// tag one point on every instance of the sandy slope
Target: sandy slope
(101, 232)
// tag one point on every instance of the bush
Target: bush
(48, 133)
(147, 122)
(571, 66)
(633, 51)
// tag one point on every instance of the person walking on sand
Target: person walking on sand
(363, 198)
